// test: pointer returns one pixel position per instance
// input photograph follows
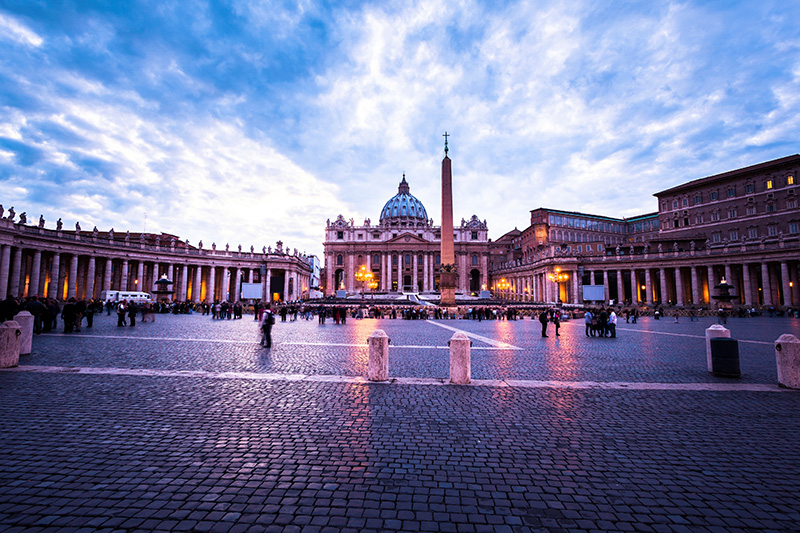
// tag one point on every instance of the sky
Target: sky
(248, 122)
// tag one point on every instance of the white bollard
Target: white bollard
(9, 344)
(25, 321)
(714, 332)
(378, 356)
(460, 359)
(787, 354)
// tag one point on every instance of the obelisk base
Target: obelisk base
(447, 288)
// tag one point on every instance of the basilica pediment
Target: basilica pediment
(407, 238)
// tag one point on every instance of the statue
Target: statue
(127, 237)
(264, 250)
(41, 221)
(646, 248)
(59, 224)
(632, 250)
(94, 232)
(200, 245)
(692, 246)
(251, 248)
(111, 234)
(240, 248)
(269, 249)
(295, 252)
(77, 227)
(329, 220)
(2, 210)
(187, 245)
(660, 248)
(141, 238)
(11, 214)
(619, 249)
(23, 218)
(279, 247)
(158, 241)
(675, 247)
(227, 247)
(172, 242)
(214, 246)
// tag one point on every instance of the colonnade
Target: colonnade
(60, 268)
(764, 283)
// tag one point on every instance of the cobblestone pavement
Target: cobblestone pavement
(157, 449)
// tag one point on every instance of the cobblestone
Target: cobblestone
(180, 453)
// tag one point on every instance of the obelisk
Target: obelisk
(447, 273)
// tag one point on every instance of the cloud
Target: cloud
(13, 30)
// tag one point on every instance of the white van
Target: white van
(131, 296)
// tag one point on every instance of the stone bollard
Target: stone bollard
(460, 358)
(713, 332)
(787, 354)
(25, 321)
(378, 356)
(9, 344)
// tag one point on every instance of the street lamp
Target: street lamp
(503, 285)
(365, 277)
(558, 277)
(372, 286)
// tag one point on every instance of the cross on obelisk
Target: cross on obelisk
(447, 273)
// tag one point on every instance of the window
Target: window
(770, 208)
(790, 179)
(772, 230)
(791, 203)
(698, 199)
(714, 216)
(734, 234)
(474, 235)
(588, 248)
(474, 259)
(769, 184)
(674, 204)
(438, 259)
(751, 210)
(713, 195)
(732, 212)
(752, 233)
(716, 237)
(731, 192)
(339, 259)
(599, 247)
(376, 259)
(340, 235)
(360, 236)
(407, 260)
(394, 260)
(685, 202)
(794, 227)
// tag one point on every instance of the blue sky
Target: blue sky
(246, 122)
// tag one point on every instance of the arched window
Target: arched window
(376, 259)
(407, 260)
(474, 259)
(339, 259)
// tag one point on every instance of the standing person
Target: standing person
(612, 323)
(635, 316)
(68, 314)
(121, 309)
(587, 320)
(267, 321)
(602, 323)
(132, 310)
(557, 322)
(543, 320)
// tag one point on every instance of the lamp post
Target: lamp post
(503, 285)
(365, 277)
(558, 277)
(372, 286)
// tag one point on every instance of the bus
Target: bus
(131, 296)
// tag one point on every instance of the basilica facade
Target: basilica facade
(402, 251)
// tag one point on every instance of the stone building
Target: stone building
(63, 264)
(742, 225)
(403, 250)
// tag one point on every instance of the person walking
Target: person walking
(557, 322)
(267, 321)
(612, 323)
(543, 320)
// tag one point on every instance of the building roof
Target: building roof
(404, 205)
(761, 167)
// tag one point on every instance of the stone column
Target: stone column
(576, 291)
(747, 289)
(414, 268)
(73, 277)
(678, 287)
(212, 284)
(123, 279)
(238, 288)
(766, 286)
(648, 287)
(620, 287)
(606, 293)
(16, 273)
(197, 291)
(107, 276)
(286, 277)
(268, 282)
(348, 275)
(787, 290)
(696, 300)
(662, 272)
(55, 266)
(36, 266)
(484, 271)
(5, 267)
(184, 283)
(90, 275)
(796, 285)
(425, 277)
(711, 282)
(140, 285)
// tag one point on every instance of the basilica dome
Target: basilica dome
(403, 205)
